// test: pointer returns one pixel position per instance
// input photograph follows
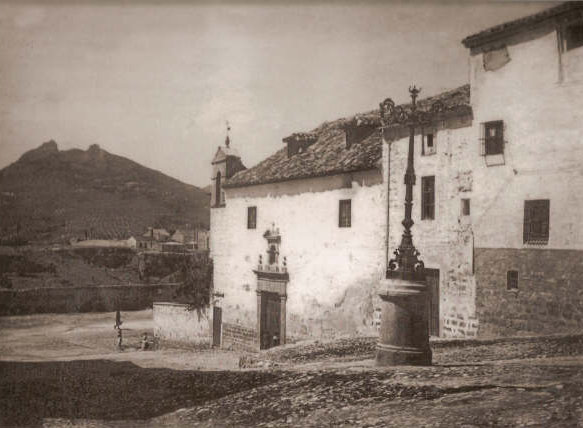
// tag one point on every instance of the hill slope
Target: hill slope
(50, 195)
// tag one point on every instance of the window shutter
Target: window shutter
(344, 213)
(536, 221)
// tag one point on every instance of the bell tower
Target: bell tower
(225, 164)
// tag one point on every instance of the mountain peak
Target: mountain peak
(77, 193)
(44, 150)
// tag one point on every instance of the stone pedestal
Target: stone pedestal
(404, 333)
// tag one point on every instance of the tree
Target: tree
(196, 282)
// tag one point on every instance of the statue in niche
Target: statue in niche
(273, 253)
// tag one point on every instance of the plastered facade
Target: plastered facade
(333, 271)
(173, 322)
(446, 241)
(543, 118)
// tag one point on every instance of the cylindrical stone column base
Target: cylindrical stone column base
(404, 333)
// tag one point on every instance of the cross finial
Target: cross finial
(227, 139)
(414, 91)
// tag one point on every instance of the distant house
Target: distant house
(202, 239)
(132, 242)
(152, 239)
(184, 236)
(160, 235)
(144, 243)
(193, 239)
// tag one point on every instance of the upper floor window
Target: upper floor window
(345, 213)
(251, 217)
(493, 138)
(428, 146)
(574, 36)
(465, 207)
(428, 198)
(536, 221)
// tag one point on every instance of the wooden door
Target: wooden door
(432, 278)
(217, 322)
(270, 319)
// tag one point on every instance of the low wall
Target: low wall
(239, 338)
(174, 323)
(83, 299)
(549, 297)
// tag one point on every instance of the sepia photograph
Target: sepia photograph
(253, 213)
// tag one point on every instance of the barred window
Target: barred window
(427, 198)
(251, 217)
(345, 208)
(536, 221)
(465, 207)
(512, 280)
(493, 137)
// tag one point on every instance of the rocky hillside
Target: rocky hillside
(50, 195)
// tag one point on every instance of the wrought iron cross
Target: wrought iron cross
(406, 264)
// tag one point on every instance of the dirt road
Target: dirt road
(62, 370)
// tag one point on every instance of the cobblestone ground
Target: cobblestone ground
(529, 382)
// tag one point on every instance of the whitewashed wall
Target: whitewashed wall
(174, 323)
(333, 271)
(539, 95)
(445, 242)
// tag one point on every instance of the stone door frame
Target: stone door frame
(276, 286)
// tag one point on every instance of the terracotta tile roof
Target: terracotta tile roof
(329, 155)
(510, 27)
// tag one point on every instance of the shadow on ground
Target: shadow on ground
(109, 390)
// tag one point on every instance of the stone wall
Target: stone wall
(83, 299)
(333, 271)
(175, 323)
(239, 338)
(549, 298)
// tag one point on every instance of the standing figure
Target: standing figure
(119, 339)
(118, 321)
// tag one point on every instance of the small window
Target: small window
(344, 219)
(493, 138)
(251, 217)
(512, 280)
(574, 36)
(465, 207)
(218, 190)
(428, 146)
(536, 221)
(428, 198)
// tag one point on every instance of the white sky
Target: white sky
(156, 82)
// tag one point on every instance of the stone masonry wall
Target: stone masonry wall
(549, 299)
(239, 338)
